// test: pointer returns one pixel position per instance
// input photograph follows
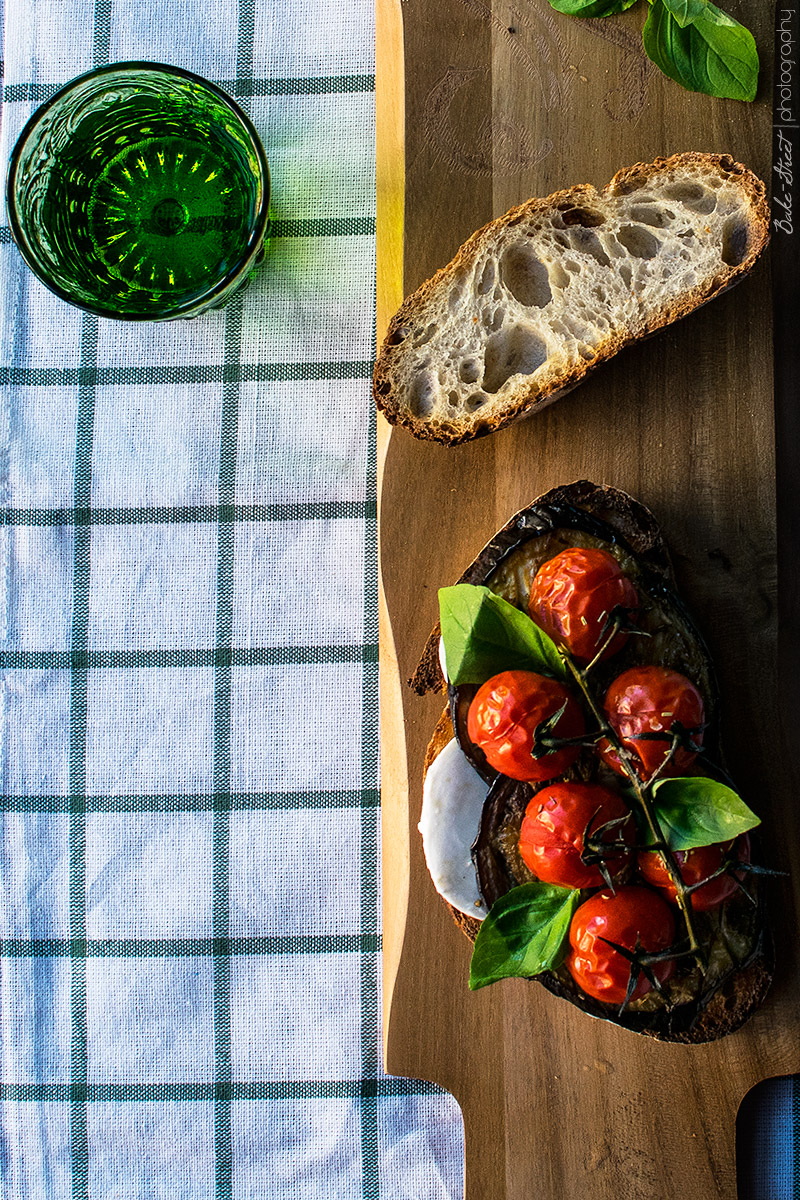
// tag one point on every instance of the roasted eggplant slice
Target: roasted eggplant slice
(716, 988)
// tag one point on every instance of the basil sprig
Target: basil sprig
(691, 41)
(707, 51)
(696, 811)
(591, 8)
(524, 933)
(484, 635)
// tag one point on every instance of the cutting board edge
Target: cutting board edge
(390, 200)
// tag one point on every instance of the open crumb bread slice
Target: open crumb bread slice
(537, 298)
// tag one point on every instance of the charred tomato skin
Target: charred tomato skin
(651, 700)
(572, 597)
(632, 917)
(552, 835)
(505, 714)
(695, 866)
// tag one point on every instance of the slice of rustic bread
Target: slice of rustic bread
(534, 300)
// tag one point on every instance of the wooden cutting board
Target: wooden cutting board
(503, 101)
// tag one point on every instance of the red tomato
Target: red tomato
(630, 917)
(572, 597)
(504, 716)
(551, 840)
(647, 700)
(695, 866)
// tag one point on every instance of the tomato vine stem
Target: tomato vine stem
(643, 794)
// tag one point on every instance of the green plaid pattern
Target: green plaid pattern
(189, 908)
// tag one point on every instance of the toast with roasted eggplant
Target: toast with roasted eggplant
(577, 817)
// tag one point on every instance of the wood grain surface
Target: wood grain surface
(481, 104)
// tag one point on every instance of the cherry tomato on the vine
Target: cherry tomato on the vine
(573, 596)
(653, 700)
(505, 714)
(633, 917)
(695, 866)
(551, 840)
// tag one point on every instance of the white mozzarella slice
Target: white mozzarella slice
(442, 658)
(452, 801)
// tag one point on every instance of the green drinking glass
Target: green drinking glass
(140, 192)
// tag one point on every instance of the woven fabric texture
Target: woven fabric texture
(189, 840)
(189, 908)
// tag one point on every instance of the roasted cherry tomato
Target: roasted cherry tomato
(653, 700)
(551, 840)
(695, 866)
(573, 596)
(632, 917)
(505, 714)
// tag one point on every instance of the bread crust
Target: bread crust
(529, 391)
(740, 992)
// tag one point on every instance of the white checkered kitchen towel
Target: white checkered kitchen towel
(189, 897)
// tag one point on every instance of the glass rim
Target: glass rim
(257, 233)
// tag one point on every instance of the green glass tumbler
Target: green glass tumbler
(140, 192)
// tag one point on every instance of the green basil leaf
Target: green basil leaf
(713, 54)
(591, 8)
(700, 812)
(686, 12)
(524, 933)
(484, 635)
